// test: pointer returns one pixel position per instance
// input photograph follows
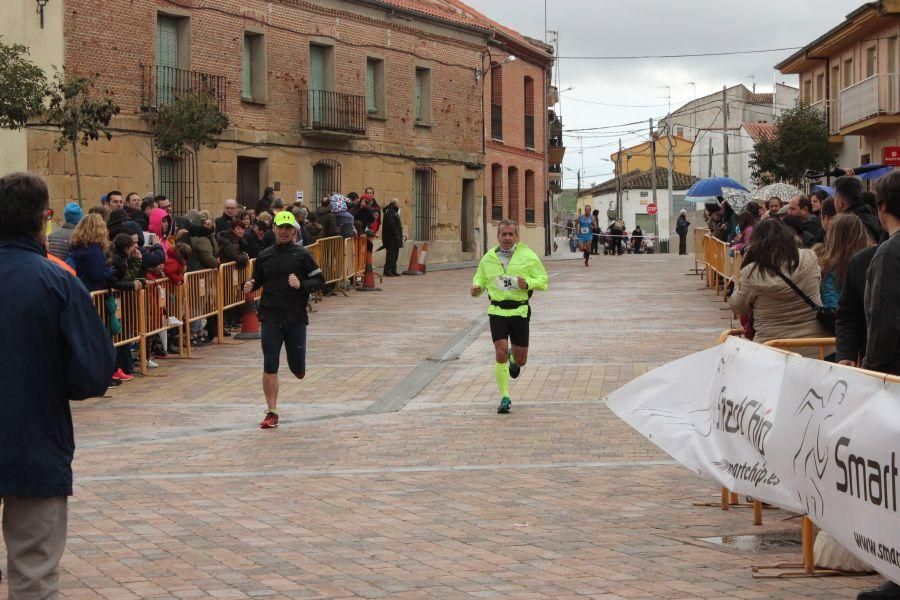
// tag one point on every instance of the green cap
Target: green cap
(285, 218)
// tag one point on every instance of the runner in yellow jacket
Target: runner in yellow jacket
(510, 273)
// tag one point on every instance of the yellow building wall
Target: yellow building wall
(20, 24)
(638, 158)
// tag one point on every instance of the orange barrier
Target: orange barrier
(700, 234)
(201, 298)
(144, 313)
(164, 299)
(332, 258)
(130, 312)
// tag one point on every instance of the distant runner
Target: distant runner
(510, 273)
(585, 234)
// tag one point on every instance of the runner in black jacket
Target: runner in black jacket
(287, 272)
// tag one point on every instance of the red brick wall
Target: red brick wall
(511, 151)
(112, 39)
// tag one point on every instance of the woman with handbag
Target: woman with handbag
(780, 285)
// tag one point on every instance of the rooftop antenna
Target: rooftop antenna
(753, 78)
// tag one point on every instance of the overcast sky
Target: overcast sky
(616, 28)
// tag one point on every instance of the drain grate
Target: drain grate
(775, 541)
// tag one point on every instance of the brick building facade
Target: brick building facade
(331, 95)
(517, 77)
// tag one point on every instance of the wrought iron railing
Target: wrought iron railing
(160, 85)
(496, 121)
(325, 111)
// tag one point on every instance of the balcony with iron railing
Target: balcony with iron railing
(331, 114)
(871, 104)
(160, 85)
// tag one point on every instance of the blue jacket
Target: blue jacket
(55, 348)
(90, 264)
(831, 293)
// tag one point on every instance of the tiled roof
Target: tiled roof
(455, 11)
(755, 98)
(759, 130)
(640, 180)
(441, 9)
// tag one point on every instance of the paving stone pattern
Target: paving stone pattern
(179, 495)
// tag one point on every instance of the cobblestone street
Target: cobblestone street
(392, 476)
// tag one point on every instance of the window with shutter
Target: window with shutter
(247, 70)
(371, 100)
(419, 82)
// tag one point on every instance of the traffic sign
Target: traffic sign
(651, 209)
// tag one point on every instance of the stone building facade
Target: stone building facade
(322, 96)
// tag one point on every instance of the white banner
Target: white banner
(808, 436)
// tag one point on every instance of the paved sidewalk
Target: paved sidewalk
(391, 475)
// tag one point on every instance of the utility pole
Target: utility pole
(709, 174)
(670, 199)
(725, 132)
(653, 162)
(619, 180)
(578, 193)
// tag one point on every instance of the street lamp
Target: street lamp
(40, 10)
(479, 73)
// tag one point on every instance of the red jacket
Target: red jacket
(175, 266)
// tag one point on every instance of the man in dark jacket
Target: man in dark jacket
(848, 198)
(882, 305)
(637, 240)
(230, 211)
(681, 228)
(133, 208)
(288, 273)
(326, 218)
(55, 348)
(391, 237)
(811, 230)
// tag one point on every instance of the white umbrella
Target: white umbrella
(785, 191)
(738, 199)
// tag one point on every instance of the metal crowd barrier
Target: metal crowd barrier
(808, 529)
(210, 292)
(721, 269)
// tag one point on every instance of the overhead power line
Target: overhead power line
(686, 55)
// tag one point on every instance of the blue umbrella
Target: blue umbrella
(876, 173)
(824, 188)
(707, 188)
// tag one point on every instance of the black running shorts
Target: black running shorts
(292, 337)
(514, 328)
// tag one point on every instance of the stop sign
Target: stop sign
(651, 209)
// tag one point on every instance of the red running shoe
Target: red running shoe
(121, 375)
(270, 422)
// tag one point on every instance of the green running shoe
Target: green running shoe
(514, 369)
(505, 405)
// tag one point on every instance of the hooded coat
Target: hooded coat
(869, 218)
(327, 221)
(392, 227)
(778, 311)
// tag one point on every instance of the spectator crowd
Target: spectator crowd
(128, 240)
(822, 266)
